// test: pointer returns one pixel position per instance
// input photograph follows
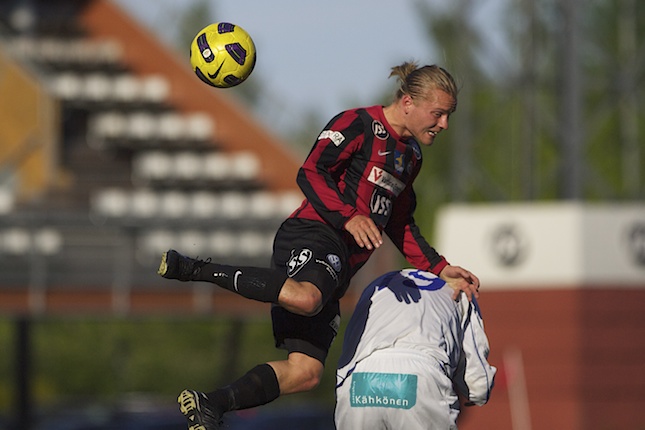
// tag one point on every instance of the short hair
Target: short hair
(417, 81)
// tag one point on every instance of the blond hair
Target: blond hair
(417, 81)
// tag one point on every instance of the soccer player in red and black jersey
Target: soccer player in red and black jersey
(357, 181)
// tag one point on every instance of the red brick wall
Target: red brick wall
(583, 353)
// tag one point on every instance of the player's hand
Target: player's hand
(365, 232)
(460, 280)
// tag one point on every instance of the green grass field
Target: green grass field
(102, 360)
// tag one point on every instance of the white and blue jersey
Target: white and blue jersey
(406, 346)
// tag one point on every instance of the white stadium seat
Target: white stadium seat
(141, 126)
(222, 243)
(153, 165)
(245, 165)
(127, 88)
(112, 202)
(188, 165)
(144, 203)
(199, 126)
(204, 205)
(234, 204)
(217, 166)
(48, 241)
(263, 205)
(154, 88)
(174, 204)
(172, 126)
(97, 87)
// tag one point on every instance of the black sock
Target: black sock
(257, 387)
(254, 283)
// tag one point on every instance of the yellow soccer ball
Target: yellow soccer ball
(222, 55)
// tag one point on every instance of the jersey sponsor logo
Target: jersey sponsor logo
(383, 390)
(385, 180)
(336, 137)
(383, 153)
(334, 260)
(380, 205)
(298, 260)
(379, 130)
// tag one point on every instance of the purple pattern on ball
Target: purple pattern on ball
(225, 27)
(203, 45)
(236, 52)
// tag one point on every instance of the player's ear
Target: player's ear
(406, 102)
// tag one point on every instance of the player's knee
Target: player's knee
(305, 372)
(306, 300)
(310, 305)
(309, 378)
(311, 382)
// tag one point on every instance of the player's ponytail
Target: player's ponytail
(417, 81)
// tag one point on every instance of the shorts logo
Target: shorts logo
(385, 180)
(379, 130)
(383, 390)
(335, 324)
(298, 260)
(336, 137)
(334, 260)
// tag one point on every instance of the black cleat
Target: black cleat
(198, 410)
(176, 266)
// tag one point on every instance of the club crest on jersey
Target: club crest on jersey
(336, 137)
(298, 260)
(385, 180)
(379, 130)
(399, 161)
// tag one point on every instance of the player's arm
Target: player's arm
(407, 237)
(474, 377)
(405, 234)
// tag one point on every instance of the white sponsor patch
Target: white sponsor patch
(335, 136)
(385, 180)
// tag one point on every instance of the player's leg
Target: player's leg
(261, 284)
(204, 411)
(299, 247)
(297, 374)
(306, 338)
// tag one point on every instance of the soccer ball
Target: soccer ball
(222, 55)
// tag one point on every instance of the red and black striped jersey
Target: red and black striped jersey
(360, 165)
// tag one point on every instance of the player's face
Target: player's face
(425, 118)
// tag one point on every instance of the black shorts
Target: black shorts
(314, 252)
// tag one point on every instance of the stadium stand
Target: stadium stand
(114, 151)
